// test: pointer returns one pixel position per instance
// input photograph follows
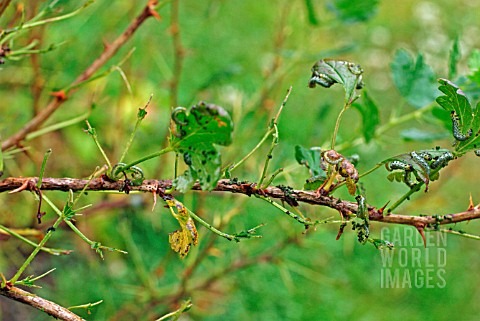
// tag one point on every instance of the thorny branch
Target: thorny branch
(59, 97)
(346, 208)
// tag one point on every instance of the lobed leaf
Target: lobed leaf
(455, 100)
(415, 80)
(196, 134)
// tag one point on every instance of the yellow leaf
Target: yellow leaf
(181, 240)
(351, 186)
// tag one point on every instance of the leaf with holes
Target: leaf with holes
(468, 124)
(182, 240)
(327, 72)
(197, 131)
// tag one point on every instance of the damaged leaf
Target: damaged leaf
(197, 132)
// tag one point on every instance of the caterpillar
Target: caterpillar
(357, 71)
(332, 157)
(442, 160)
(396, 164)
(457, 133)
(114, 174)
(420, 161)
(175, 116)
(347, 170)
(362, 211)
(320, 79)
(426, 156)
(407, 180)
(137, 172)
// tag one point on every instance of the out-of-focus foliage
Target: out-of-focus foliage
(414, 79)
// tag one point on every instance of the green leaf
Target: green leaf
(456, 101)
(474, 60)
(474, 65)
(370, 119)
(184, 182)
(327, 72)
(353, 11)
(312, 16)
(443, 116)
(455, 56)
(313, 183)
(395, 176)
(418, 135)
(196, 134)
(310, 158)
(414, 80)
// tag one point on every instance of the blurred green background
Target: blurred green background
(242, 56)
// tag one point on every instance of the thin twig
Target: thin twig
(108, 53)
(178, 52)
(3, 5)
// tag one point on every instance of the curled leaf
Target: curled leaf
(327, 72)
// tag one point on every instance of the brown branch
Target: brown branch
(60, 97)
(309, 197)
(3, 6)
(40, 303)
(178, 52)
